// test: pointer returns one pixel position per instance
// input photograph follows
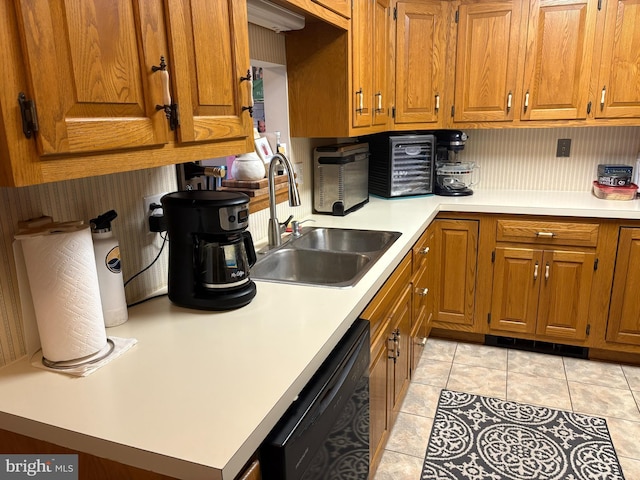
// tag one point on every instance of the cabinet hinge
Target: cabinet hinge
(174, 119)
(453, 110)
(589, 108)
(457, 16)
(393, 112)
(493, 257)
(599, 5)
(588, 329)
(29, 115)
(171, 112)
(595, 264)
(489, 318)
(395, 13)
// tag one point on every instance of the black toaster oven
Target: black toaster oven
(401, 164)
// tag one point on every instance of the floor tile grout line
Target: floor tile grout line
(626, 378)
(417, 415)
(566, 376)
(404, 453)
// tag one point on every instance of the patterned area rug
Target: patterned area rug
(481, 438)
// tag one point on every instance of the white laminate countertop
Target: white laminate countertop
(200, 391)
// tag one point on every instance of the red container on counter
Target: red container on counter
(606, 192)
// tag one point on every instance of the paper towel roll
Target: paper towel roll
(64, 286)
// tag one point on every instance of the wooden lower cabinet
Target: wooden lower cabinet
(624, 311)
(423, 291)
(542, 292)
(91, 467)
(419, 335)
(378, 401)
(400, 353)
(252, 472)
(390, 315)
(455, 251)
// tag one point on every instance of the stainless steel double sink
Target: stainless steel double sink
(321, 256)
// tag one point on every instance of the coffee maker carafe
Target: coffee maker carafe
(210, 251)
(453, 177)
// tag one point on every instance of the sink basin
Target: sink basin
(311, 267)
(346, 240)
(329, 257)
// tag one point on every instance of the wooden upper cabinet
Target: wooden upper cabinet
(209, 54)
(88, 65)
(342, 7)
(370, 63)
(361, 61)
(89, 68)
(420, 62)
(382, 67)
(618, 94)
(489, 43)
(560, 48)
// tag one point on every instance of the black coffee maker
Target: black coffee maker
(210, 251)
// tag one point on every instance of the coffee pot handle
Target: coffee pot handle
(250, 249)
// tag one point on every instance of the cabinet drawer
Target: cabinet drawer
(380, 308)
(548, 233)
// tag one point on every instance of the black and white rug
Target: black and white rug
(481, 438)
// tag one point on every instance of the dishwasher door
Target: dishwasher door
(325, 433)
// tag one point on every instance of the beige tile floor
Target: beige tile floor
(595, 388)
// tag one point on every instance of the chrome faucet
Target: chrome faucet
(275, 228)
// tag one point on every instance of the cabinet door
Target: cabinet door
(619, 96)
(488, 48)
(209, 56)
(420, 61)
(456, 247)
(624, 312)
(382, 57)
(418, 341)
(89, 67)
(564, 294)
(560, 45)
(401, 331)
(379, 393)
(362, 66)
(516, 283)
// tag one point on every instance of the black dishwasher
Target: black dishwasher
(325, 432)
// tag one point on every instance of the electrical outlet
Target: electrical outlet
(152, 200)
(564, 147)
(148, 212)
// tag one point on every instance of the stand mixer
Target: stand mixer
(453, 177)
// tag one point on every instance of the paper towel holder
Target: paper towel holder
(79, 362)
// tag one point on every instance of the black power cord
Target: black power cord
(164, 241)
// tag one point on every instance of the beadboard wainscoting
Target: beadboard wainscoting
(83, 199)
(525, 159)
